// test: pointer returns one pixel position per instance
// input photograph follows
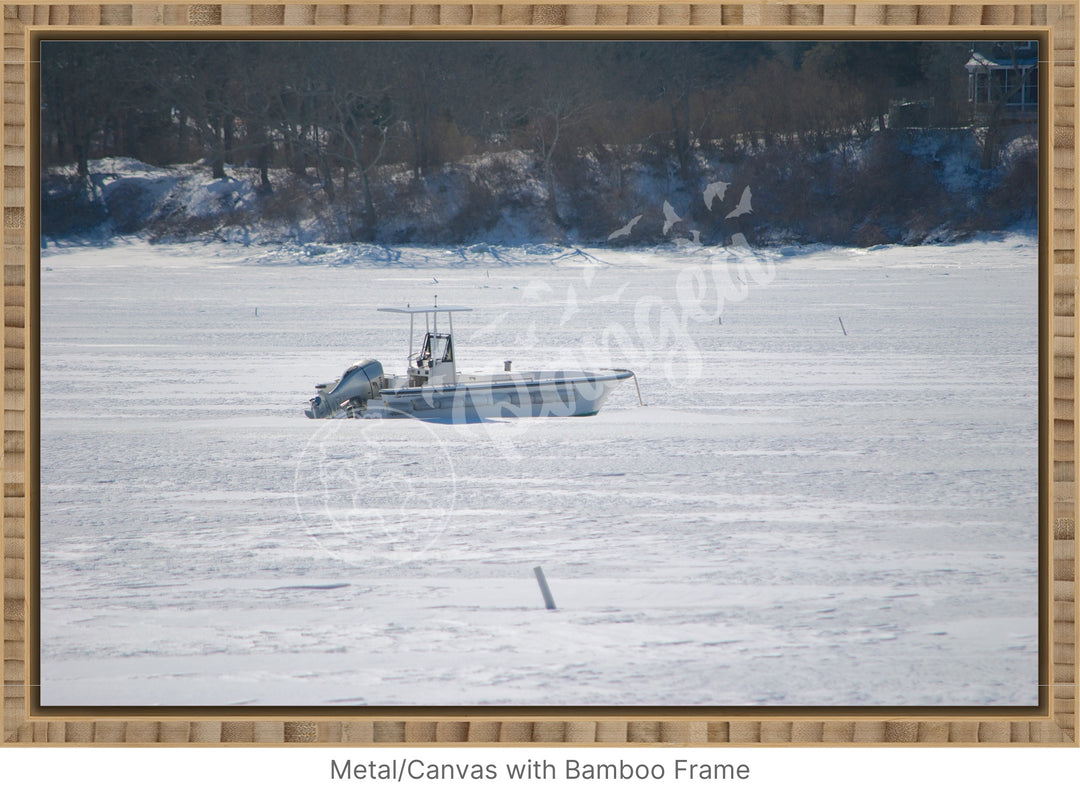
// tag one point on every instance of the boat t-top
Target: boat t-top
(433, 388)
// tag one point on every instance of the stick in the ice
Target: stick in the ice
(549, 601)
(842, 325)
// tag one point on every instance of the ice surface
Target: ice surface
(799, 515)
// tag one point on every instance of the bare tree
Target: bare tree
(77, 99)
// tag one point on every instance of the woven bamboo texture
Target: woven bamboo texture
(1057, 725)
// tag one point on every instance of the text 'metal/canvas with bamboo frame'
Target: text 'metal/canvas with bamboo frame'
(1053, 722)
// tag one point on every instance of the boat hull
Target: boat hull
(539, 394)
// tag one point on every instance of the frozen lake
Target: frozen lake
(829, 498)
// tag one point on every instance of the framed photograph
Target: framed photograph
(592, 374)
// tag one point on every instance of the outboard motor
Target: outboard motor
(358, 384)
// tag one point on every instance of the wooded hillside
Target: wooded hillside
(806, 123)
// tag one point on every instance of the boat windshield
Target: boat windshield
(437, 348)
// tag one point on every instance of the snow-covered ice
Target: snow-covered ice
(830, 497)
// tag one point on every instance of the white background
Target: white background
(883, 774)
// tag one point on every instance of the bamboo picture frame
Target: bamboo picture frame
(1053, 722)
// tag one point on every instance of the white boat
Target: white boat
(432, 387)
